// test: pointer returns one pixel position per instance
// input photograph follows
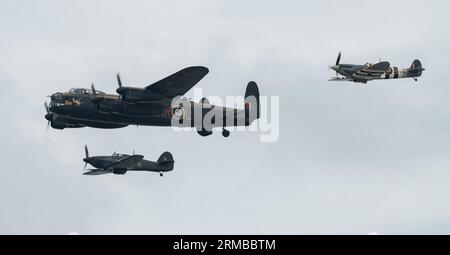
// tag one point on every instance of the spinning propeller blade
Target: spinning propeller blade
(94, 92)
(86, 151)
(120, 90)
(48, 116)
(119, 80)
(338, 60)
(95, 100)
(46, 107)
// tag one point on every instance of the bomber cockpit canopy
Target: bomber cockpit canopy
(82, 91)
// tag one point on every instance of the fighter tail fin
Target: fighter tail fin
(252, 105)
(416, 68)
(166, 160)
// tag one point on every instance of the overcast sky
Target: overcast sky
(350, 159)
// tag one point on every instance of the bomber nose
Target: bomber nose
(49, 116)
(53, 107)
(57, 96)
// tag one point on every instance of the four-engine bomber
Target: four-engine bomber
(159, 104)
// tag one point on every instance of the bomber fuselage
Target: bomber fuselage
(108, 109)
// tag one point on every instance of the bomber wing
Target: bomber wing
(180, 82)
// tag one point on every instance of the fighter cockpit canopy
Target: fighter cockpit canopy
(82, 91)
(118, 155)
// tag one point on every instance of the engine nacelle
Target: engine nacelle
(58, 125)
(135, 95)
(61, 123)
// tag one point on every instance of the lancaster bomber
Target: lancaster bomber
(158, 104)
(120, 164)
(379, 71)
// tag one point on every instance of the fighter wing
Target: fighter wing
(373, 71)
(341, 79)
(127, 162)
(98, 172)
(180, 82)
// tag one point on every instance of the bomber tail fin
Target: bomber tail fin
(252, 104)
(166, 160)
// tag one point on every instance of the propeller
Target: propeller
(336, 66)
(86, 151)
(46, 107)
(119, 80)
(120, 90)
(96, 100)
(49, 115)
(94, 92)
(338, 60)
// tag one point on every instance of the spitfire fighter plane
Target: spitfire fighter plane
(120, 164)
(379, 71)
(159, 104)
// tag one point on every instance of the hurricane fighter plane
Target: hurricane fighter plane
(379, 71)
(159, 104)
(120, 164)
